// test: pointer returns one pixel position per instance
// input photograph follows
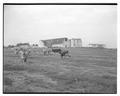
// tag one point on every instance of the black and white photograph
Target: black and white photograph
(60, 48)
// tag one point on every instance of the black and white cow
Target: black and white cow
(62, 52)
(23, 54)
(47, 51)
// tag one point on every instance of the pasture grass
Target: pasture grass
(82, 73)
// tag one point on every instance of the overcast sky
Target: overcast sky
(31, 23)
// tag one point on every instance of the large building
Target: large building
(62, 42)
(58, 42)
(75, 42)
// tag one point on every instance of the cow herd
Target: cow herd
(24, 53)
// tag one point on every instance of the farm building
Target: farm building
(97, 45)
(58, 42)
(75, 42)
(62, 42)
(24, 45)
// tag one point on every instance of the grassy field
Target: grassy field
(89, 70)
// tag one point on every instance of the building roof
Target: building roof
(76, 39)
(49, 42)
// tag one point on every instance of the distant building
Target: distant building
(23, 45)
(58, 42)
(97, 45)
(62, 42)
(75, 42)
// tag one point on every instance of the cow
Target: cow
(47, 51)
(23, 54)
(62, 52)
(56, 50)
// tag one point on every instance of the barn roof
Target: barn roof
(54, 41)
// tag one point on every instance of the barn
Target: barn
(57, 42)
(63, 42)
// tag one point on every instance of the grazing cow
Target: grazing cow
(47, 51)
(62, 52)
(56, 50)
(23, 54)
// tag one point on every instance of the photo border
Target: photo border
(48, 4)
